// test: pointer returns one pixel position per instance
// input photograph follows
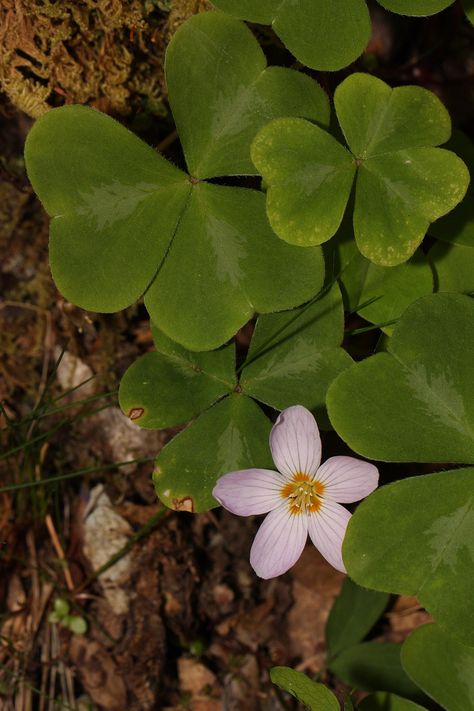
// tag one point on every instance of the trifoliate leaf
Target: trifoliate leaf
(125, 221)
(403, 181)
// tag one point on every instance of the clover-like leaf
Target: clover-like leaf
(414, 403)
(295, 355)
(126, 221)
(375, 666)
(313, 695)
(292, 359)
(320, 33)
(353, 614)
(453, 265)
(384, 701)
(173, 385)
(231, 435)
(458, 226)
(469, 10)
(427, 549)
(417, 8)
(379, 294)
(441, 666)
(403, 182)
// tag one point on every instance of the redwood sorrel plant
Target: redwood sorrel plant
(383, 184)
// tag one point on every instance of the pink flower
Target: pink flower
(301, 497)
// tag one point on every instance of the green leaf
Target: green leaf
(320, 33)
(114, 203)
(353, 614)
(125, 221)
(307, 196)
(379, 294)
(418, 8)
(76, 624)
(221, 92)
(314, 696)
(414, 403)
(388, 291)
(453, 265)
(399, 194)
(427, 549)
(174, 385)
(295, 355)
(226, 259)
(469, 10)
(383, 701)
(458, 226)
(231, 435)
(377, 119)
(440, 666)
(61, 607)
(403, 181)
(374, 666)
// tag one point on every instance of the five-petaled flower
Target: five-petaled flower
(301, 497)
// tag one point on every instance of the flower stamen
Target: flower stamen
(303, 494)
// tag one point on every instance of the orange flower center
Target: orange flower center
(303, 494)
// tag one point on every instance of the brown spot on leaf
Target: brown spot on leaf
(135, 413)
(185, 504)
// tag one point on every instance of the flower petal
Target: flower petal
(295, 442)
(249, 491)
(327, 528)
(347, 479)
(279, 542)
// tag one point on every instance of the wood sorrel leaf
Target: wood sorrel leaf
(221, 92)
(295, 355)
(453, 265)
(231, 435)
(403, 181)
(469, 10)
(427, 549)
(414, 403)
(226, 259)
(441, 666)
(125, 218)
(173, 385)
(307, 194)
(320, 33)
(458, 226)
(379, 294)
(314, 696)
(353, 614)
(383, 701)
(375, 666)
(418, 8)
